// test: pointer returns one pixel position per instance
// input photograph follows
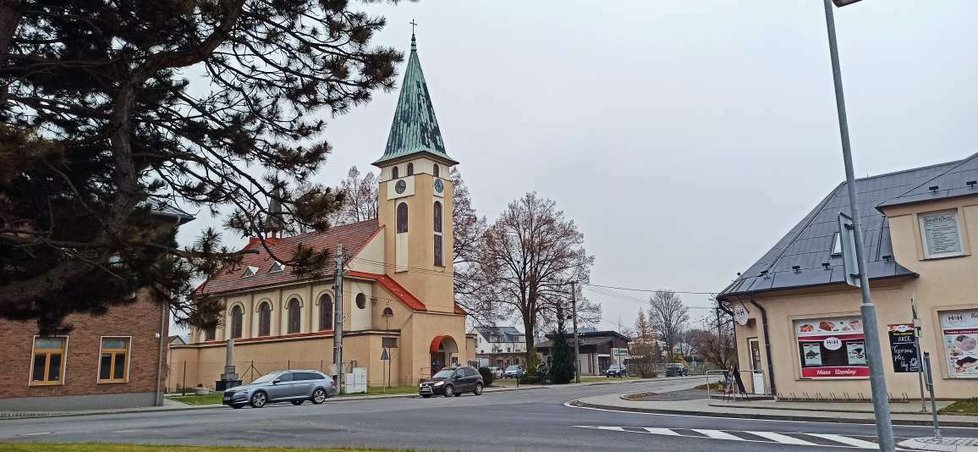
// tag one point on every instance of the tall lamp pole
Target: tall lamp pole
(881, 402)
(577, 343)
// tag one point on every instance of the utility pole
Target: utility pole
(577, 343)
(881, 401)
(720, 342)
(338, 320)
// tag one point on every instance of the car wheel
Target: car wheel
(449, 391)
(478, 389)
(425, 396)
(259, 399)
(237, 406)
(319, 396)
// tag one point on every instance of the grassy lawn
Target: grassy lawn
(213, 398)
(379, 390)
(962, 407)
(103, 447)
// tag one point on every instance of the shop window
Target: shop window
(831, 348)
(48, 363)
(113, 364)
(940, 234)
(960, 333)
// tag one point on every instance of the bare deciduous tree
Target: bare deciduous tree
(669, 317)
(468, 232)
(361, 200)
(528, 257)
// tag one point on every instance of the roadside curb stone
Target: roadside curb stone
(945, 444)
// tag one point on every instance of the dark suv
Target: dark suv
(452, 382)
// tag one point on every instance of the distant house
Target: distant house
(500, 346)
(599, 350)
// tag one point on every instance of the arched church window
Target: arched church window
(394, 173)
(295, 314)
(437, 216)
(436, 170)
(325, 312)
(237, 321)
(410, 168)
(402, 218)
(264, 319)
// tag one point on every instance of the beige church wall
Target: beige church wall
(421, 165)
(371, 258)
(360, 317)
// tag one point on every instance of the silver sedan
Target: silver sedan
(294, 386)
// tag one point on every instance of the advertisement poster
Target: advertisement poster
(857, 352)
(808, 328)
(961, 342)
(812, 353)
(903, 347)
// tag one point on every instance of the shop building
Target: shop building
(798, 322)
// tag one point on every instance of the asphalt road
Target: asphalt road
(529, 420)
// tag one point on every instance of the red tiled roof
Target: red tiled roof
(459, 310)
(397, 290)
(353, 237)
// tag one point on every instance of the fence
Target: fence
(187, 375)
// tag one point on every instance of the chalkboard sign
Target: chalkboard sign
(903, 346)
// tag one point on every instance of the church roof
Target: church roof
(353, 237)
(414, 129)
(804, 256)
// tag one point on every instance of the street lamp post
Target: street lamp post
(881, 402)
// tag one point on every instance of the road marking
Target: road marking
(34, 434)
(132, 430)
(846, 440)
(613, 429)
(783, 439)
(661, 431)
(717, 434)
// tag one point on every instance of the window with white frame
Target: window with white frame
(940, 234)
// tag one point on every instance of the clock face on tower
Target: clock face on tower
(439, 186)
(400, 186)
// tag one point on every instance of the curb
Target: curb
(17, 415)
(774, 417)
(927, 444)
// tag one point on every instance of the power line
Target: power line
(635, 289)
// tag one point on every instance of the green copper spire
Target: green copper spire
(415, 129)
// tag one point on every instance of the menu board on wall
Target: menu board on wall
(903, 347)
(960, 330)
(941, 233)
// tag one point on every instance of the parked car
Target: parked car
(452, 382)
(676, 370)
(294, 386)
(616, 370)
(514, 371)
(497, 372)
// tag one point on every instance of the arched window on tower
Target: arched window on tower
(295, 315)
(264, 319)
(237, 321)
(436, 214)
(402, 218)
(410, 168)
(436, 170)
(325, 312)
(394, 173)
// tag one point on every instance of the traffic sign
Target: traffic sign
(384, 356)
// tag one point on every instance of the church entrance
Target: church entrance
(444, 353)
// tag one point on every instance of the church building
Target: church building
(399, 313)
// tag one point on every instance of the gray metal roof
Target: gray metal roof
(950, 184)
(500, 334)
(798, 259)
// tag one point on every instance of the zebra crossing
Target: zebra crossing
(786, 438)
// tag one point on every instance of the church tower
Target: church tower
(416, 195)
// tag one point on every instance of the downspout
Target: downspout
(767, 341)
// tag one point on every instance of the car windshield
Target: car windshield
(267, 378)
(513, 368)
(613, 367)
(447, 373)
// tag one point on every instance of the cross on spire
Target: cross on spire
(414, 44)
(413, 24)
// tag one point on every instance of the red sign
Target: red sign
(835, 372)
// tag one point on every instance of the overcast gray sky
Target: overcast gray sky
(684, 137)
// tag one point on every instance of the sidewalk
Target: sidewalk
(903, 413)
